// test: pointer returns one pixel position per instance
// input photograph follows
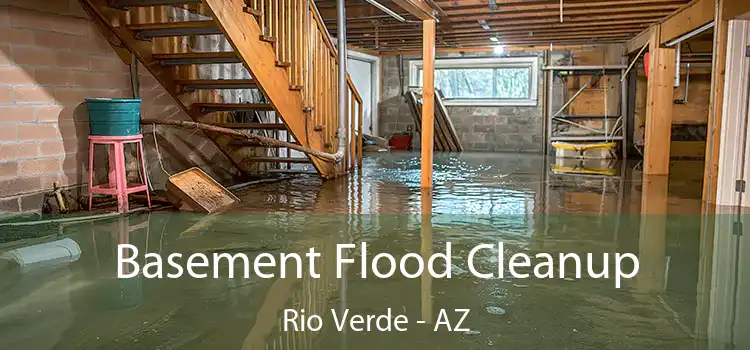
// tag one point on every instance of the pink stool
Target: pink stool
(118, 184)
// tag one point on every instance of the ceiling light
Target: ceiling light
(484, 24)
(493, 39)
(498, 50)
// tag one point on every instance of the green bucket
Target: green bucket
(114, 116)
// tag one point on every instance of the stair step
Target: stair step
(159, 30)
(187, 58)
(217, 84)
(296, 160)
(145, 3)
(252, 126)
(232, 107)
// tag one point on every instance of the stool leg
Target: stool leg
(121, 176)
(145, 175)
(113, 166)
(91, 172)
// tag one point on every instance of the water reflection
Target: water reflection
(688, 293)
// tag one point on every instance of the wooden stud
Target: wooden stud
(659, 102)
(428, 100)
(716, 109)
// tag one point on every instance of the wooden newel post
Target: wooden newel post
(428, 100)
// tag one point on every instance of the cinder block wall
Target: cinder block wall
(52, 58)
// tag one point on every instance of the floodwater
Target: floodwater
(691, 291)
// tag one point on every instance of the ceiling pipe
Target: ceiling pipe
(690, 35)
(678, 56)
(388, 11)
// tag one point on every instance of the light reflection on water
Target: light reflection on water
(478, 198)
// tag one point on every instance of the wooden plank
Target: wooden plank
(688, 18)
(634, 45)
(259, 57)
(418, 8)
(659, 101)
(428, 100)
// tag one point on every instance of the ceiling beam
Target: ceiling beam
(418, 8)
(687, 18)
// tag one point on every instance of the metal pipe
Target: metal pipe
(388, 11)
(678, 56)
(690, 34)
(341, 28)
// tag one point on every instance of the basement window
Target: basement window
(497, 81)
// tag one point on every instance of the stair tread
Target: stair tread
(218, 83)
(169, 29)
(172, 25)
(234, 106)
(187, 58)
(213, 54)
(279, 159)
(147, 3)
(257, 126)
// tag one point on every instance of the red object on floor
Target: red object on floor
(118, 183)
(400, 141)
(646, 59)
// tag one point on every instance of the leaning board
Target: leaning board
(446, 138)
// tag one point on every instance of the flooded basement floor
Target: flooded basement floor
(688, 293)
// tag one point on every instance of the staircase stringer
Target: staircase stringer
(109, 24)
(244, 34)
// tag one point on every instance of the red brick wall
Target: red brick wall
(51, 59)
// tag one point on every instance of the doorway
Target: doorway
(364, 70)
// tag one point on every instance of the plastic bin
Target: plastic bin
(114, 116)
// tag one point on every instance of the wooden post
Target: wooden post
(716, 114)
(653, 233)
(428, 100)
(659, 102)
(426, 252)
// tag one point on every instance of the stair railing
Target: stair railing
(303, 44)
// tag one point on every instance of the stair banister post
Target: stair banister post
(342, 93)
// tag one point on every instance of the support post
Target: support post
(653, 232)
(716, 114)
(428, 100)
(659, 102)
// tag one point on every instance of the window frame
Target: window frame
(492, 62)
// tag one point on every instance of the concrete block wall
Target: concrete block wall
(481, 128)
(51, 59)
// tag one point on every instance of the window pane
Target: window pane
(464, 82)
(513, 83)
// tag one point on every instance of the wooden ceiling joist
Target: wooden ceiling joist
(514, 22)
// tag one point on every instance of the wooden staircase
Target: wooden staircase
(286, 85)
